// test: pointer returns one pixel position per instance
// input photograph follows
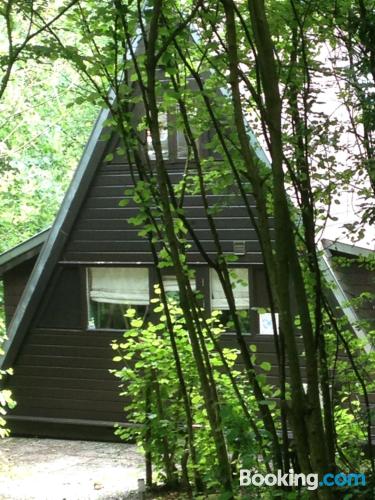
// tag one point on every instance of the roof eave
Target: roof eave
(354, 250)
(22, 252)
(341, 297)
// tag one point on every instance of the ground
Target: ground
(52, 469)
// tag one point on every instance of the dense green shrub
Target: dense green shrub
(154, 399)
(154, 403)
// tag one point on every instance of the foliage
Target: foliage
(154, 403)
(41, 140)
(41, 136)
(271, 75)
(225, 65)
(23, 25)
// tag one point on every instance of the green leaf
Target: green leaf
(266, 366)
(130, 313)
(137, 323)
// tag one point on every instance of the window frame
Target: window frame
(171, 154)
(250, 297)
(86, 291)
(152, 279)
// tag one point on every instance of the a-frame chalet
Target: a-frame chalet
(63, 307)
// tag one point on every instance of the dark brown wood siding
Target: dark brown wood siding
(103, 232)
(63, 387)
(62, 305)
(65, 374)
(62, 371)
(14, 284)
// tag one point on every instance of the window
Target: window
(112, 291)
(181, 146)
(171, 287)
(265, 323)
(172, 140)
(163, 130)
(240, 285)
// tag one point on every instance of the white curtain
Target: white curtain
(171, 285)
(240, 290)
(119, 285)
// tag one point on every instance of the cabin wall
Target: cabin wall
(15, 280)
(356, 279)
(61, 375)
(62, 370)
(61, 378)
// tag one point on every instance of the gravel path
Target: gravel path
(53, 469)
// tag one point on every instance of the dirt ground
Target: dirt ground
(52, 469)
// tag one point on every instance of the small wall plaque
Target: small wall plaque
(239, 247)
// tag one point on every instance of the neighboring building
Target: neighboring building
(352, 274)
(63, 310)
